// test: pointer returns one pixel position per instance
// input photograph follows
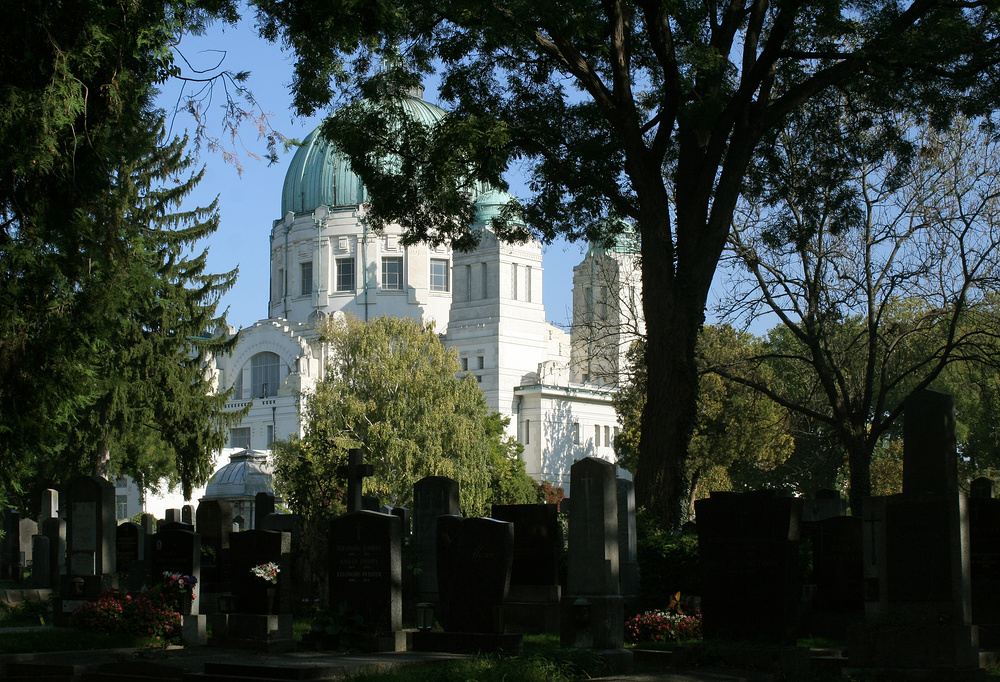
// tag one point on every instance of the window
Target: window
(597, 436)
(392, 273)
(465, 364)
(527, 283)
(513, 281)
(607, 436)
(439, 274)
(486, 282)
(307, 278)
(279, 284)
(468, 282)
(527, 431)
(264, 375)
(576, 433)
(121, 506)
(481, 362)
(270, 434)
(240, 438)
(479, 379)
(345, 274)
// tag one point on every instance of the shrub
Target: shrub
(146, 613)
(667, 562)
(658, 626)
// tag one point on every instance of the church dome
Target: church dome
(489, 204)
(319, 175)
(242, 477)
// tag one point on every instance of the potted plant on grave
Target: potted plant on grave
(179, 588)
(268, 573)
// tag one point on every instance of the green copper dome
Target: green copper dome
(489, 205)
(319, 175)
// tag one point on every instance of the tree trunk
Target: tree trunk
(102, 460)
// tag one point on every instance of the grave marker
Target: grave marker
(355, 471)
(433, 496)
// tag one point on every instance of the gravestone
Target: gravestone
(824, 504)
(263, 505)
(474, 560)
(172, 515)
(130, 555)
(50, 505)
(148, 523)
(355, 471)
(593, 610)
(187, 514)
(984, 558)
(90, 532)
(404, 517)
(628, 549)
(533, 601)
(215, 525)
(371, 503)
(748, 545)
(917, 559)
(55, 530)
(365, 573)
(178, 551)
(254, 548)
(41, 567)
(10, 547)
(433, 496)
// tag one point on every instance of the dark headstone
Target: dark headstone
(593, 613)
(187, 514)
(90, 526)
(984, 556)
(55, 530)
(750, 587)
(366, 570)
(371, 503)
(130, 546)
(474, 559)
(178, 551)
(404, 517)
(982, 488)
(433, 496)
(536, 542)
(838, 564)
(263, 505)
(215, 523)
(41, 567)
(628, 549)
(254, 548)
(11, 563)
(172, 516)
(929, 460)
(824, 504)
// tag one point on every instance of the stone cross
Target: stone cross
(355, 472)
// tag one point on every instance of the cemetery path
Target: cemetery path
(692, 675)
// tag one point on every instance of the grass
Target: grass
(26, 614)
(66, 639)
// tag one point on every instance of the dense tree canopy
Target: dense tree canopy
(646, 110)
(104, 303)
(392, 389)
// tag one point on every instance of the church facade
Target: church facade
(556, 387)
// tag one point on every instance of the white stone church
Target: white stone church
(555, 386)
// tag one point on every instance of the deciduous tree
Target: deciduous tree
(651, 111)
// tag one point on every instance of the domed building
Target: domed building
(487, 304)
(238, 483)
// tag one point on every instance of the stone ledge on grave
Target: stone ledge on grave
(917, 646)
(270, 633)
(466, 642)
(194, 630)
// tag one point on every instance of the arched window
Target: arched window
(264, 375)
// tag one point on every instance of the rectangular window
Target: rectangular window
(486, 282)
(121, 506)
(527, 431)
(270, 434)
(439, 274)
(240, 438)
(468, 282)
(481, 362)
(513, 281)
(616, 433)
(597, 436)
(607, 436)
(465, 364)
(527, 283)
(392, 273)
(345, 274)
(307, 278)
(576, 433)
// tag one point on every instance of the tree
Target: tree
(880, 276)
(391, 388)
(648, 111)
(103, 302)
(741, 439)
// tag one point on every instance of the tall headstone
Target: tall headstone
(130, 554)
(355, 471)
(474, 563)
(50, 505)
(173, 515)
(53, 528)
(433, 496)
(187, 514)
(366, 573)
(254, 548)
(917, 559)
(91, 523)
(263, 505)
(178, 551)
(628, 549)
(984, 558)
(593, 614)
(748, 545)
(215, 523)
(533, 602)
(11, 562)
(41, 567)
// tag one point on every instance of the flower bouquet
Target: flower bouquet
(267, 572)
(179, 587)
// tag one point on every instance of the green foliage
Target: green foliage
(392, 390)
(668, 563)
(339, 630)
(653, 112)
(33, 612)
(100, 288)
(146, 613)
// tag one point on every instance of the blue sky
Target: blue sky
(250, 201)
